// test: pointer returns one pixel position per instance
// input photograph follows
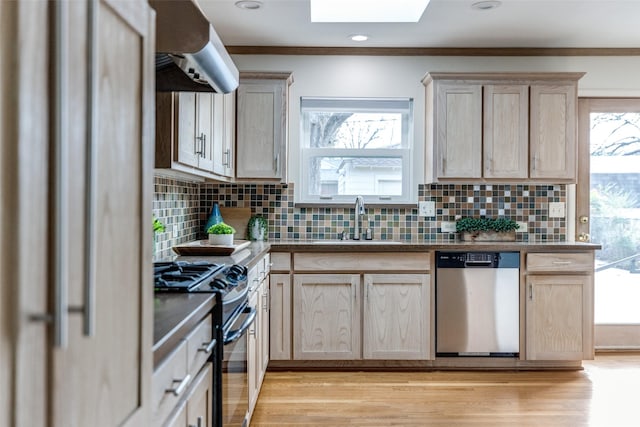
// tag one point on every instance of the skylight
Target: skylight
(367, 10)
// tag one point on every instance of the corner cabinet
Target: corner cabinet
(495, 127)
(559, 306)
(262, 126)
(195, 132)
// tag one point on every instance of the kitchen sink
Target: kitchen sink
(355, 242)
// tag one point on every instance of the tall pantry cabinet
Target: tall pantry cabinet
(77, 127)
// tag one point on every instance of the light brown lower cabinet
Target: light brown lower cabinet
(395, 311)
(258, 340)
(396, 316)
(559, 306)
(326, 313)
(328, 307)
(280, 316)
(196, 409)
(555, 317)
(253, 355)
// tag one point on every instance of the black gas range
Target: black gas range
(231, 325)
(202, 276)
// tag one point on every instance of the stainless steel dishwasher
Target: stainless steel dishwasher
(477, 304)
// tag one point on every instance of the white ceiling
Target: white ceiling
(445, 23)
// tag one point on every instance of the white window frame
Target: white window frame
(405, 154)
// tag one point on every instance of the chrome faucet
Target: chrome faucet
(359, 212)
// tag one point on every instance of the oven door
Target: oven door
(235, 384)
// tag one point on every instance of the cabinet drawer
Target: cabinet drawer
(171, 375)
(362, 261)
(198, 341)
(281, 261)
(560, 262)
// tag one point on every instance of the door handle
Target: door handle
(59, 316)
(177, 391)
(208, 347)
(92, 160)
(61, 146)
(584, 237)
(201, 139)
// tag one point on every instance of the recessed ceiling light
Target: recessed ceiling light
(359, 37)
(486, 5)
(367, 11)
(249, 4)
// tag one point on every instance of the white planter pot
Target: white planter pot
(221, 239)
(488, 236)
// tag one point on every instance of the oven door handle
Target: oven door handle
(235, 334)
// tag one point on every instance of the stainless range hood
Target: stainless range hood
(189, 54)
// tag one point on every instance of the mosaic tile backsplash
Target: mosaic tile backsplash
(177, 204)
(188, 205)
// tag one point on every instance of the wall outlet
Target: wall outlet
(174, 231)
(556, 210)
(448, 226)
(427, 208)
(524, 227)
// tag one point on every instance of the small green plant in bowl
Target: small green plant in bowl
(221, 234)
(487, 229)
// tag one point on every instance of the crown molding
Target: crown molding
(430, 51)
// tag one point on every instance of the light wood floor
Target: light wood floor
(606, 393)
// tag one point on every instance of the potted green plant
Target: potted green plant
(221, 234)
(257, 229)
(487, 229)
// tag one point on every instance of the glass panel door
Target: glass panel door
(613, 193)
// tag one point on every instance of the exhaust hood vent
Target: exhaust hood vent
(189, 54)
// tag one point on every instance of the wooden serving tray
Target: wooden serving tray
(203, 247)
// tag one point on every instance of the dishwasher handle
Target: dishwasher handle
(487, 263)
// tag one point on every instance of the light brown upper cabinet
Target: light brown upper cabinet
(195, 132)
(553, 135)
(505, 131)
(497, 127)
(262, 126)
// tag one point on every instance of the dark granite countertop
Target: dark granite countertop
(422, 245)
(175, 314)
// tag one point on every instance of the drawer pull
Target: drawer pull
(561, 262)
(183, 384)
(208, 347)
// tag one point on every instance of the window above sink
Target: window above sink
(356, 146)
